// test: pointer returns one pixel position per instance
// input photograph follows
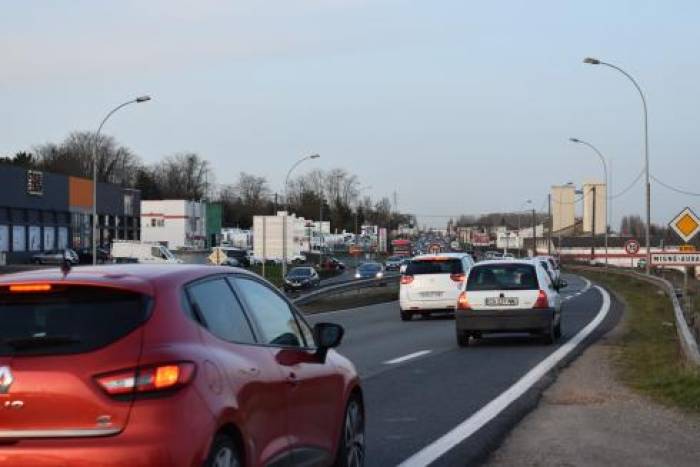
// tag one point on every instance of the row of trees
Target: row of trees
(335, 193)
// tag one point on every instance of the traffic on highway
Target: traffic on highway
(217, 364)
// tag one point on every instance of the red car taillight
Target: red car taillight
(147, 378)
(541, 301)
(458, 277)
(406, 279)
(463, 302)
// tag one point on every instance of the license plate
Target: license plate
(431, 294)
(501, 301)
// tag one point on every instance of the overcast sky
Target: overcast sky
(460, 106)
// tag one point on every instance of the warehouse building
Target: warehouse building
(42, 211)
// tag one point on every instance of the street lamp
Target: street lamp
(138, 100)
(595, 61)
(286, 204)
(357, 208)
(520, 211)
(607, 212)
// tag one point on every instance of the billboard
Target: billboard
(480, 239)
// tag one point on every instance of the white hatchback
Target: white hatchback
(431, 283)
(509, 296)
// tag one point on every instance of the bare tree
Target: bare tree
(73, 156)
(183, 176)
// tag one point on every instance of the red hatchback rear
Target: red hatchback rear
(169, 365)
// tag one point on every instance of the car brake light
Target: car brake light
(463, 302)
(458, 277)
(147, 379)
(23, 288)
(405, 280)
(541, 301)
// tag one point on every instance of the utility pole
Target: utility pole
(320, 229)
(549, 224)
(593, 228)
(534, 233)
(264, 248)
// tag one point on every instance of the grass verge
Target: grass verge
(649, 359)
(353, 299)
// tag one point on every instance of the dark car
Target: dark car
(56, 257)
(239, 255)
(393, 263)
(301, 278)
(370, 270)
(103, 255)
(170, 365)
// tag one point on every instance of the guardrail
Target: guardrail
(345, 286)
(689, 345)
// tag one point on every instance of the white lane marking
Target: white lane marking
(407, 357)
(488, 412)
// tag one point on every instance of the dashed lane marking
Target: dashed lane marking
(410, 356)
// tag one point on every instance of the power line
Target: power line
(629, 187)
(677, 190)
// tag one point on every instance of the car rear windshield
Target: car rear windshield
(67, 320)
(502, 277)
(434, 266)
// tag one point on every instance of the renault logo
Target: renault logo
(6, 379)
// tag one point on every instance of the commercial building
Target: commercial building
(175, 223)
(269, 237)
(42, 211)
(595, 197)
(563, 207)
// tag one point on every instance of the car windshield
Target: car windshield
(394, 258)
(502, 277)
(435, 266)
(369, 267)
(299, 272)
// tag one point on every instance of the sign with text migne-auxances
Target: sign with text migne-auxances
(675, 259)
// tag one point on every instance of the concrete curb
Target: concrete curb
(688, 344)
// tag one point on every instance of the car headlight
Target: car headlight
(380, 275)
(357, 275)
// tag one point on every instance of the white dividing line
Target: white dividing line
(407, 357)
(488, 412)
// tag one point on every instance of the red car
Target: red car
(169, 365)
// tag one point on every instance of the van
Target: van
(142, 252)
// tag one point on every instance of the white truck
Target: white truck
(126, 251)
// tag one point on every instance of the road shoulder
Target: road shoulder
(588, 417)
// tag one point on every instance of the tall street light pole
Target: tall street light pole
(138, 100)
(286, 204)
(595, 61)
(520, 211)
(607, 191)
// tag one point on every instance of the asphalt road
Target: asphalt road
(419, 384)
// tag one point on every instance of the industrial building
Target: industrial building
(595, 200)
(174, 223)
(269, 235)
(42, 211)
(563, 199)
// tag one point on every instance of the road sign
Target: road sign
(675, 259)
(217, 256)
(632, 247)
(686, 224)
(434, 249)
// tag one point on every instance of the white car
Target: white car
(431, 283)
(509, 296)
(134, 251)
(551, 265)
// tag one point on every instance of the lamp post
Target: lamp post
(138, 100)
(605, 172)
(520, 211)
(595, 61)
(286, 204)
